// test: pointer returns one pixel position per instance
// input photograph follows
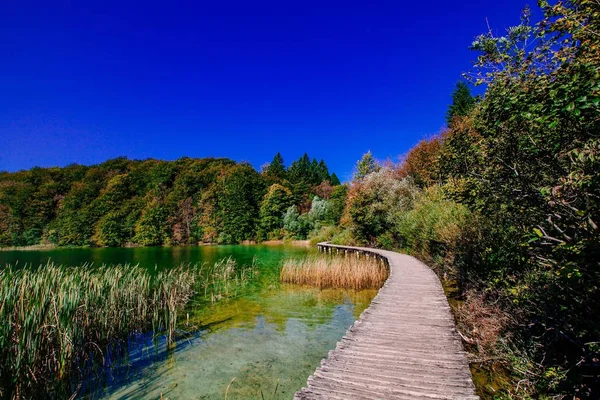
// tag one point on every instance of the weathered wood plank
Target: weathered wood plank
(403, 346)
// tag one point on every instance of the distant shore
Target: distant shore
(41, 247)
(300, 243)
(34, 247)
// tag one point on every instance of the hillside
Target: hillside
(151, 202)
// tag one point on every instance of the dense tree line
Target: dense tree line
(506, 202)
(128, 202)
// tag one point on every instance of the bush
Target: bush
(433, 226)
(375, 203)
(324, 234)
(345, 237)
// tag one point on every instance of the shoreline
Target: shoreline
(34, 247)
(42, 247)
(299, 243)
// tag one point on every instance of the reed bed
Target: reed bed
(58, 324)
(335, 272)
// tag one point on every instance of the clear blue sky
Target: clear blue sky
(83, 82)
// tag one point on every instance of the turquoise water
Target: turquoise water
(149, 257)
(262, 344)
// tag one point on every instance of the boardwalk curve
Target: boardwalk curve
(403, 346)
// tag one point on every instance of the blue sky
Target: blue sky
(86, 82)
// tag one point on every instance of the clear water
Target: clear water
(262, 344)
(149, 257)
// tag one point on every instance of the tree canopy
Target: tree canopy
(153, 202)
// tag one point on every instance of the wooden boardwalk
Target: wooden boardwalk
(404, 346)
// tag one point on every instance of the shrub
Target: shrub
(433, 226)
(324, 234)
(375, 202)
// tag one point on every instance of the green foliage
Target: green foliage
(310, 173)
(276, 169)
(324, 234)
(391, 212)
(462, 102)
(335, 181)
(151, 229)
(344, 237)
(322, 172)
(337, 202)
(299, 170)
(319, 210)
(295, 225)
(238, 204)
(525, 159)
(516, 216)
(434, 225)
(310, 224)
(274, 205)
(375, 201)
(152, 202)
(366, 165)
(7, 226)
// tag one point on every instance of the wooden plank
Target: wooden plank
(403, 346)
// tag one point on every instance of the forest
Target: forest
(125, 202)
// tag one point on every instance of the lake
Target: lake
(262, 344)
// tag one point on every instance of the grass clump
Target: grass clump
(335, 272)
(60, 324)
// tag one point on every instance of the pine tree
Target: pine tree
(315, 176)
(365, 166)
(334, 180)
(299, 171)
(276, 168)
(324, 172)
(462, 102)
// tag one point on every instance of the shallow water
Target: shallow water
(267, 342)
(262, 344)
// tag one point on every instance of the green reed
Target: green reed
(57, 323)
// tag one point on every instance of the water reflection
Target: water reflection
(270, 344)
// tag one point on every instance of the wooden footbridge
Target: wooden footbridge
(404, 346)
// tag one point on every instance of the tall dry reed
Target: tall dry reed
(335, 272)
(59, 323)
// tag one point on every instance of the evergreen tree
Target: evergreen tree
(334, 180)
(365, 165)
(462, 102)
(299, 171)
(276, 168)
(314, 176)
(323, 172)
